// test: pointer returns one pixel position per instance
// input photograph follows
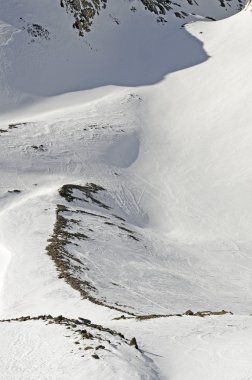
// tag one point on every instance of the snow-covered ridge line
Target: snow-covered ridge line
(84, 12)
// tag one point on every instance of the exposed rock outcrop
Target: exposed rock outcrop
(85, 11)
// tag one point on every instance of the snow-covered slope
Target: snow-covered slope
(210, 148)
(42, 55)
(125, 189)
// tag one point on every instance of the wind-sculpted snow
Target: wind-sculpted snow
(126, 205)
(104, 241)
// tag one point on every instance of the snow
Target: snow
(165, 128)
(207, 179)
(47, 68)
(185, 348)
(35, 350)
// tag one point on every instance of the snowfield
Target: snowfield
(125, 193)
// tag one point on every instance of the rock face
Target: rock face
(84, 11)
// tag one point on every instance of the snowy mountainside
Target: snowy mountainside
(125, 210)
(108, 235)
(42, 55)
(85, 12)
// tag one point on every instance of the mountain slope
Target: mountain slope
(85, 12)
(41, 54)
(129, 204)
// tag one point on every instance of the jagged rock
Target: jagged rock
(189, 312)
(86, 321)
(83, 12)
(95, 356)
(133, 342)
(100, 347)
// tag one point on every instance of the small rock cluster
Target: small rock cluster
(202, 314)
(83, 330)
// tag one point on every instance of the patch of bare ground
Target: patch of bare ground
(201, 314)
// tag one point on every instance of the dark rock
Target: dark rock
(100, 347)
(14, 191)
(189, 312)
(95, 356)
(84, 320)
(133, 342)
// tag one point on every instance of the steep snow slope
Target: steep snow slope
(205, 175)
(142, 192)
(84, 12)
(42, 55)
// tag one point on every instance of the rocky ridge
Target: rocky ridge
(85, 11)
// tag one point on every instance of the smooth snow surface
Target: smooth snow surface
(185, 348)
(157, 117)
